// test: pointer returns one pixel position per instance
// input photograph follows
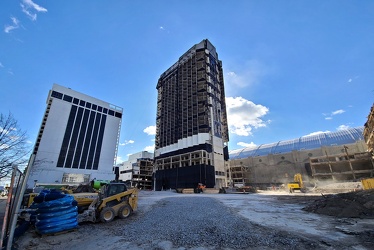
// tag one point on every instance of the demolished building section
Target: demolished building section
(237, 175)
(143, 176)
(369, 130)
(340, 155)
(341, 167)
(138, 170)
(191, 122)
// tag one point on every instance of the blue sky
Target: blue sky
(291, 68)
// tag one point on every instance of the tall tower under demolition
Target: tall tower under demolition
(191, 123)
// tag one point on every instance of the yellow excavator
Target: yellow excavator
(367, 183)
(113, 200)
(297, 184)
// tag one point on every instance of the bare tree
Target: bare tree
(13, 145)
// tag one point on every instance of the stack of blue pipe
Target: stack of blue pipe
(56, 212)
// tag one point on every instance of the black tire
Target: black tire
(107, 214)
(124, 211)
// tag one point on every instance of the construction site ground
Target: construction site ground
(320, 219)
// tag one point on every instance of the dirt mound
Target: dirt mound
(358, 204)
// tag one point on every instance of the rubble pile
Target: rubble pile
(357, 204)
(341, 187)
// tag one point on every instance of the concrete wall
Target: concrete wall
(277, 169)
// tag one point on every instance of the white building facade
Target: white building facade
(77, 140)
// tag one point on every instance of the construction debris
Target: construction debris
(357, 204)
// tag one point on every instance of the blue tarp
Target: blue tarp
(55, 212)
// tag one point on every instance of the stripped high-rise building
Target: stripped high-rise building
(191, 123)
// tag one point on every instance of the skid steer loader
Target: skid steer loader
(114, 199)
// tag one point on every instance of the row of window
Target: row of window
(81, 146)
(220, 173)
(82, 103)
(127, 171)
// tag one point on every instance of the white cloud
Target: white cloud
(1, 65)
(317, 133)
(163, 29)
(247, 145)
(244, 115)
(25, 10)
(126, 142)
(250, 74)
(338, 112)
(14, 25)
(353, 79)
(233, 79)
(28, 7)
(119, 159)
(150, 130)
(7, 131)
(342, 127)
(150, 148)
(33, 5)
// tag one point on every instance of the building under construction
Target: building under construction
(191, 122)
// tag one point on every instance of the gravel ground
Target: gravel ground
(170, 221)
(204, 223)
